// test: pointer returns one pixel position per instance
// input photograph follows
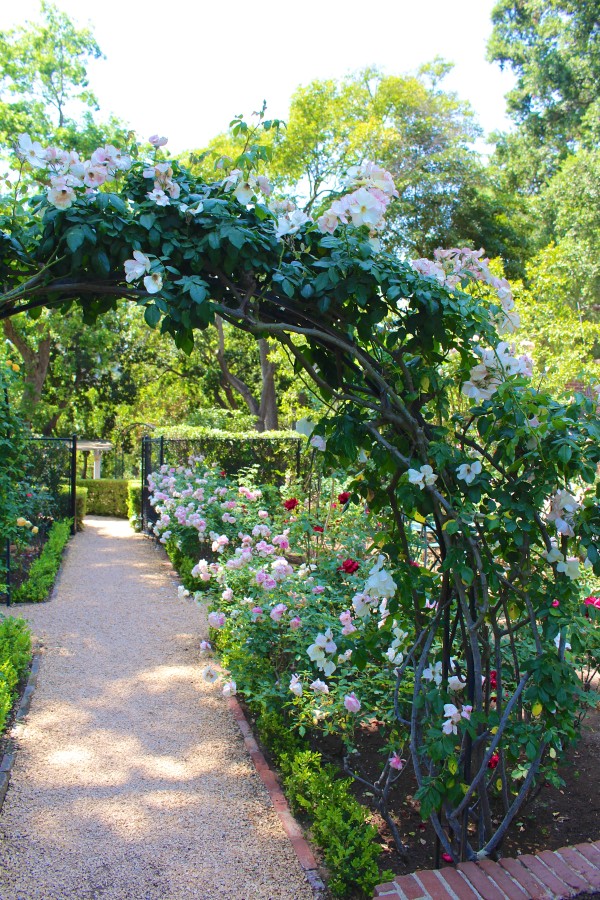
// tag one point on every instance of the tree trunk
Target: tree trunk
(268, 415)
(35, 363)
(236, 383)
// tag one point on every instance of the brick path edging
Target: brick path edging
(550, 875)
(301, 846)
(8, 759)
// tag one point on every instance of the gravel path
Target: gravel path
(131, 780)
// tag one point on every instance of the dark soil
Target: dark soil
(554, 818)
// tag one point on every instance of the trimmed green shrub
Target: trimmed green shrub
(15, 655)
(80, 504)
(134, 504)
(107, 496)
(232, 420)
(273, 453)
(339, 823)
(42, 573)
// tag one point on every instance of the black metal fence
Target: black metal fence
(48, 492)
(271, 457)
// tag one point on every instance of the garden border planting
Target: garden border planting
(8, 758)
(44, 570)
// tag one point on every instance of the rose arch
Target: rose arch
(441, 424)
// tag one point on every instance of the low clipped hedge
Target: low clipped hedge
(43, 571)
(107, 496)
(273, 453)
(134, 504)
(15, 656)
(80, 504)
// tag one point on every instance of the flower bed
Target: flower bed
(43, 570)
(308, 617)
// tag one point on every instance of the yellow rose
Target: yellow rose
(35, 529)
(21, 522)
(16, 367)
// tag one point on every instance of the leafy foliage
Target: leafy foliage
(554, 49)
(15, 656)
(44, 569)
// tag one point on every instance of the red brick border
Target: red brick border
(301, 846)
(550, 875)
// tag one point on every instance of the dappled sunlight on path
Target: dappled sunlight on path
(131, 778)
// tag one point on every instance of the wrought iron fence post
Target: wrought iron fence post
(161, 456)
(74, 483)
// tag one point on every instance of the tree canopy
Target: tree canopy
(553, 47)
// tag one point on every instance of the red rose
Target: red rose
(494, 760)
(493, 679)
(290, 504)
(412, 562)
(223, 473)
(349, 566)
(343, 497)
(318, 528)
(592, 601)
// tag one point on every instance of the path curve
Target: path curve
(131, 780)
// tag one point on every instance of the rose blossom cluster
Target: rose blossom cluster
(562, 507)
(246, 186)
(451, 267)
(259, 587)
(165, 189)
(496, 365)
(372, 190)
(66, 172)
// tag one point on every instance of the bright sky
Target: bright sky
(184, 68)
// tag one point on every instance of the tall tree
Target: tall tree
(553, 47)
(44, 80)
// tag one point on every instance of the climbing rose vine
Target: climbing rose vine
(432, 410)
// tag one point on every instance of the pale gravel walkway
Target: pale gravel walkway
(131, 780)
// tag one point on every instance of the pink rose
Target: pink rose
(396, 762)
(216, 619)
(278, 611)
(352, 703)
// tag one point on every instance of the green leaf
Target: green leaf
(565, 453)
(75, 237)
(451, 527)
(198, 293)
(116, 202)
(236, 237)
(147, 220)
(101, 262)
(152, 315)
